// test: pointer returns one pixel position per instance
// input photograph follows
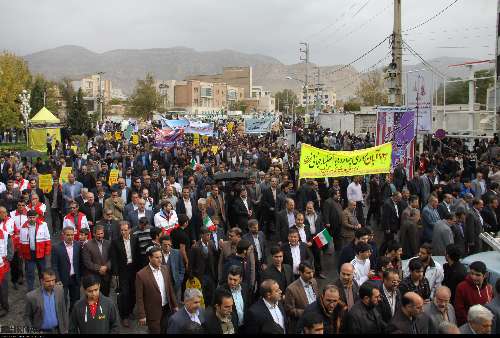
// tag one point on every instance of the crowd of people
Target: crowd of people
(194, 240)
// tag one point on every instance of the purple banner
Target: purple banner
(404, 133)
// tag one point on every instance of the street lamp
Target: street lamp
(25, 108)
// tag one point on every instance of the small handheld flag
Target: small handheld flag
(207, 222)
(322, 239)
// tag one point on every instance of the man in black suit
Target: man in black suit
(295, 251)
(240, 293)
(489, 214)
(221, 319)
(66, 264)
(111, 226)
(92, 210)
(258, 240)
(391, 297)
(268, 203)
(185, 204)
(202, 265)
(135, 215)
(444, 208)
(243, 210)
(305, 194)
(260, 319)
(391, 216)
(276, 270)
(55, 198)
(474, 225)
(123, 265)
(285, 219)
(332, 216)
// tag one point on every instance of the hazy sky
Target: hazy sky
(338, 30)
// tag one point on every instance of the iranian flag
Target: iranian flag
(193, 163)
(322, 239)
(207, 222)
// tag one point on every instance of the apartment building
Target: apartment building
(240, 77)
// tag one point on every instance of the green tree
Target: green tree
(238, 105)
(284, 98)
(145, 99)
(456, 92)
(40, 88)
(67, 93)
(483, 85)
(14, 77)
(78, 119)
(352, 105)
(371, 90)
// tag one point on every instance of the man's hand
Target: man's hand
(142, 322)
(250, 213)
(327, 225)
(103, 269)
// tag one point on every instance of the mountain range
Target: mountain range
(124, 66)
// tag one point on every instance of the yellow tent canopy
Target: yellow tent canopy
(41, 125)
(44, 116)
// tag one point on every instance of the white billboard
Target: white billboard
(419, 89)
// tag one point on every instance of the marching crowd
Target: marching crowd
(189, 246)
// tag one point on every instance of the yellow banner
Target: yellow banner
(65, 171)
(45, 183)
(196, 139)
(135, 139)
(318, 163)
(118, 135)
(113, 177)
(215, 149)
(108, 136)
(74, 148)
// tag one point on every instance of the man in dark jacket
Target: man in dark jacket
(390, 296)
(391, 216)
(410, 318)
(329, 308)
(454, 271)
(347, 253)
(95, 313)
(221, 319)
(277, 270)
(364, 318)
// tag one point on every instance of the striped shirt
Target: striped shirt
(361, 270)
(143, 238)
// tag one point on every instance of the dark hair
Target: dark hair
(84, 231)
(220, 294)
(476, 201)
(382, 262)
(266, 287)
(98, 227)
(393, 245)
(413, 198)
(304, 265)
(31, 213)
(293, 230)
(478, 266)
(358, 233)
(90, 280)
(204, 231)
(387, 272)
(242, 246)
(309, 319)
(152, 249)
(454, 252)
(48, 272)
(143, 220)
(427, 247)
(275, 249)
(405, 299)
(362, 247)
(235, 270)
(183, 219)
(366, 290)
(155, 232)
(165, 238)
(415, 264)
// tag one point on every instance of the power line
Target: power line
(432, 69)
(431, 18)
(358, 27)
(339, 18)
(360, 57)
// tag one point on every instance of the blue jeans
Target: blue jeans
(29, 266)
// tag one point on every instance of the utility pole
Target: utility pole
(305, 59)
(396, 66)
(100, 97)
(319, 103)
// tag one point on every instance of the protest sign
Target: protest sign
(113, 177)
(45, 183)
(65, 171)
(319, 163)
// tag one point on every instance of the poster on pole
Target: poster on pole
(397, 125)
(419, 89)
